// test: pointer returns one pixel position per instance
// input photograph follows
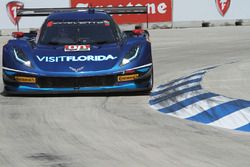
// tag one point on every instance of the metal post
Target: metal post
(147, 14)
(172, 14)
(17, 26)
(147, 20)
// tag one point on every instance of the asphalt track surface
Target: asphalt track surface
(97, 131)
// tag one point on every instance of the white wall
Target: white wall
(198, 10)
(183, 10)
(28, 22)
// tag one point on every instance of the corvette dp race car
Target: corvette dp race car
(78, 50)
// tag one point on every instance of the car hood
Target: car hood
(56, 59)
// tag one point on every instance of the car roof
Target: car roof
(79, 15)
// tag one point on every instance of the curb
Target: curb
(186, 99)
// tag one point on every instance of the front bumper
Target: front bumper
(127, 81)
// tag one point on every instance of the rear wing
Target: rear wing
(32, 12)
(29, 12)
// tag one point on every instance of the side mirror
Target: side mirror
(17, 34)
(138, 32)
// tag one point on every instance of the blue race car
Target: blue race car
(78, 51)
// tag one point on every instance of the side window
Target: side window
(38, 35)
(41, 32)
(117, 30)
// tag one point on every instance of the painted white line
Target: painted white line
(10, 69)
(177, 99)
(146, 65)
(235, 120)
(178, 82)
(200, 107)
(174, 90)
(135, 68)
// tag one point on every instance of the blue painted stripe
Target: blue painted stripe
(176, 80)
(176, 86)
(177, 93)
(208, 68)
(245, 128)
(206, 116)
(9, 72)
(220, 111)
(182, 104)
(143, 69)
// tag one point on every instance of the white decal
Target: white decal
(76, 69)
(223, 4)
(152, 7)
(55, 59)
(40, 59)
(82, 5)
(76, 48)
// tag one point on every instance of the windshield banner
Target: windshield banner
(159, 10)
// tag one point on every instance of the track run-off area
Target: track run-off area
(97, 131)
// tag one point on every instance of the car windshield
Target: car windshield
(80, 32)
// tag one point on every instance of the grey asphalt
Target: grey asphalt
(231, 80)
(123, 130)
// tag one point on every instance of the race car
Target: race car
(78, 51)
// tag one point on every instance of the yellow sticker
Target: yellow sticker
(25, 79)
(128, 77)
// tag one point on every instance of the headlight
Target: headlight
(132, 54)
(20, 57)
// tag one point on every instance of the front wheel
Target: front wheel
(151, 84)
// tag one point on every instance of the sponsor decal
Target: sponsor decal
(223, 6)
(106, 23)
(55, 59)
(159, 10)
(131, 77)
(25, 79)
(76, 69)
(76, 48)
(12, 11)
(80, 22)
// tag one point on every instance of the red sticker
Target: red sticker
(50, 24)
(76, 48)
(138, 32)
(106, 23)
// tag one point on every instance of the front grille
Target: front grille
(75, 82)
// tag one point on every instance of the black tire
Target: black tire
(149, 89)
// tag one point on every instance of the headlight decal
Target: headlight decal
(132, 54)
(20, 57)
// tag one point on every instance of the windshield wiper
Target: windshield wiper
(54, 43)
(100, 42)
(77, 43)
